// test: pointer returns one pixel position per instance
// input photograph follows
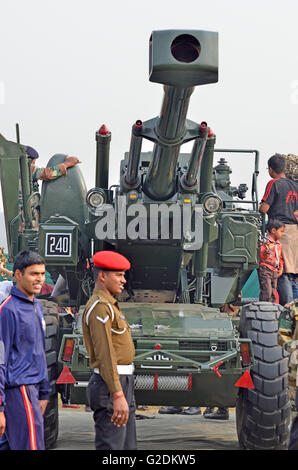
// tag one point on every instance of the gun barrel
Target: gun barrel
(160, 181)
(206, 169)
(190, 178)
(131, 178)
(180, 60)
(171, 123)
(103, 139)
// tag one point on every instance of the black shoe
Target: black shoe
(170, 410)
(192, 410)
(221, 413)
(209, 411)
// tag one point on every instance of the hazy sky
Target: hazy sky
(68, 66)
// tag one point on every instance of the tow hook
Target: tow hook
(215, 368)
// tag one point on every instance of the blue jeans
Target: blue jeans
(284, 289)
(295, 289)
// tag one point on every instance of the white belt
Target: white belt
(122, 369)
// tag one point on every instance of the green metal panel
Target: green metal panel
(238, 241)
(10, 154)
(154, 266)
(64, 196)
(58, 242)
(177, 320)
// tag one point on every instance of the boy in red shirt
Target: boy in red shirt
(271, 261)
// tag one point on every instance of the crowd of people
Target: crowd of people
(24, 385)
(279, 255)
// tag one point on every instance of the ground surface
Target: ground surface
(154, 431)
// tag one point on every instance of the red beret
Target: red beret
(110, 260)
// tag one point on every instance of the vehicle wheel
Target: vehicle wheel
(263, 413)
(51, 316)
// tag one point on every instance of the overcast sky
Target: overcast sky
(68, 66)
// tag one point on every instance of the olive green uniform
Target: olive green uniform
(44, 174)
(111, 351)
(47, 174)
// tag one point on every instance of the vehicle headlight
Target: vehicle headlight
(95, 198)
(212, 204)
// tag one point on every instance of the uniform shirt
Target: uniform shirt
(107, 337)
(47, 174)
(22, 345)
(282, 196)
(271, 254)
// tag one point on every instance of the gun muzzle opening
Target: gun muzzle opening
(185, 48)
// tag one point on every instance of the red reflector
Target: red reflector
(157, 346)
(103, 130)
(245, 381)
(210, 133)
(155, 381)
(245, 354)
(66, 377)
(68, 350)
(189, 387)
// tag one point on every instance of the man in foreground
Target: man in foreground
(111, 350)
(24, 385)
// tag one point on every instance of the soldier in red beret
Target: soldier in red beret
(111, 350)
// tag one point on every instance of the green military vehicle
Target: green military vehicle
(192, 240)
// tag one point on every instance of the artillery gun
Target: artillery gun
(192, 247)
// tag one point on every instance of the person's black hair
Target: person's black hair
(274, 223)
(95, 273)
(25, 259)
(277, 163)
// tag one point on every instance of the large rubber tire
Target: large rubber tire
(51, 422)
(263, 413)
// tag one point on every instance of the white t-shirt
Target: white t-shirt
(5, 288)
